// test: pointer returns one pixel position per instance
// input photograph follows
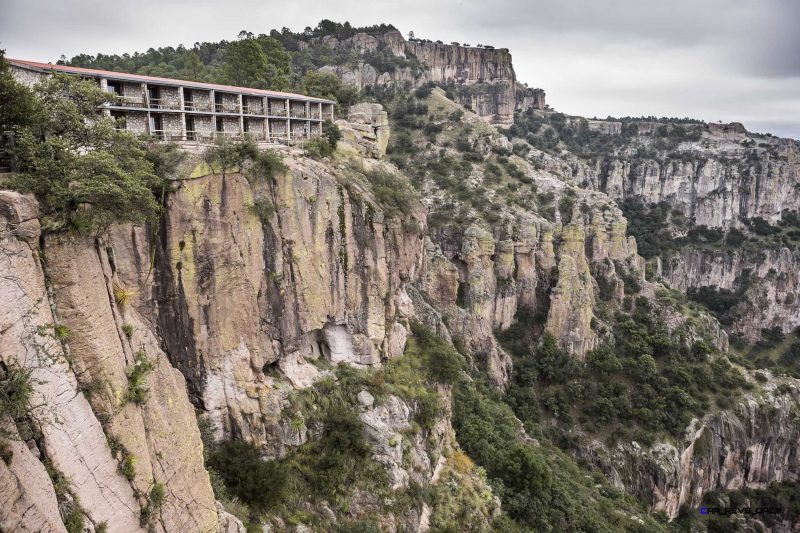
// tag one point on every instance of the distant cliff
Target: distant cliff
(483, 78)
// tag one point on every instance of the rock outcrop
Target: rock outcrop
(749, 446)
(366, 129)
(483, 77)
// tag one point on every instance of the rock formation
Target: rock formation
(483, 77)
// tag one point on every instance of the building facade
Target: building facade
(190, 111)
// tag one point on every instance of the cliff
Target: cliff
(279, 309)
(483, 78)
(750, 445)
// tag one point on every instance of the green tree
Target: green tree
(16, 101)
(245, 64)
(279, 67)
(194, 69)
(84, 172)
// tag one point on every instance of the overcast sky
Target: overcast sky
(729, 60)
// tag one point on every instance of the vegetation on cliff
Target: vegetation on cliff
(83, 171)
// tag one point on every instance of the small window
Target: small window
(220, 124)
(114, 87)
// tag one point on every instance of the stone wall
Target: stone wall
(136, 122)
(298, 129)
(277, 128)
(203, 124)
(255, 125)
(27, 77)
(201, 99)
(277, 107)
(230, 103)
(170, 97)
(298, 109)
(172, 123)
(229, 124)
(132, 90)
(254, 104)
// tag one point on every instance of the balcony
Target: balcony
(201, 107)
(299, 113)
(128, 101)
(165, 135)
(255, 135)
(200, 136)
(277, 111)
(315, 115)
(227, 108)
(161, 103)
(253, 110)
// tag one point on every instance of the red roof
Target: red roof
(43, 67)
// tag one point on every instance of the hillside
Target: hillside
(473, 313)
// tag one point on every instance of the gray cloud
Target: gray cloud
(711, 59)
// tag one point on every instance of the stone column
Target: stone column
(288, 121)
(104, 88)
(146, 100)
(182, 114)
(308, 119)
(241, 115)
(213, 113)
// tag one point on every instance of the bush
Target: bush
(16, 388)
(138, 390)
(81, 169)
(318, 147)
(444, 363)
(156, 497)
(257, 482)
(331, 132)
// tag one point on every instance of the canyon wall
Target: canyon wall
(484, 77)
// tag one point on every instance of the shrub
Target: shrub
(156, 497)
(318, 147)
(127, 329)
(80, 168)
(16, 388)
(6, 453)
(229, 156)
(138, 390)
(257, 482)
(266, 165)
(331, 132)
(128, 467)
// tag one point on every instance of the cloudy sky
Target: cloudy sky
(729, 60)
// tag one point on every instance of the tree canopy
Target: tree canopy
(85, 173)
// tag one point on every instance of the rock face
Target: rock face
(775, 274)
(723, 179)
(484, 77)
(317, 275)
(718, 180)
(367, 129)
(746, 447)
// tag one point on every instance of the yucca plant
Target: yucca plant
(123, 294)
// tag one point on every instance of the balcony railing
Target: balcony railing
(253, 110)
(128, 101)
(315, 115)
(199, 136)
(277, 111)
(209, 136)
(161, 103)
(165, 135)
(299, 113)
(197, 106)
(227, 108)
